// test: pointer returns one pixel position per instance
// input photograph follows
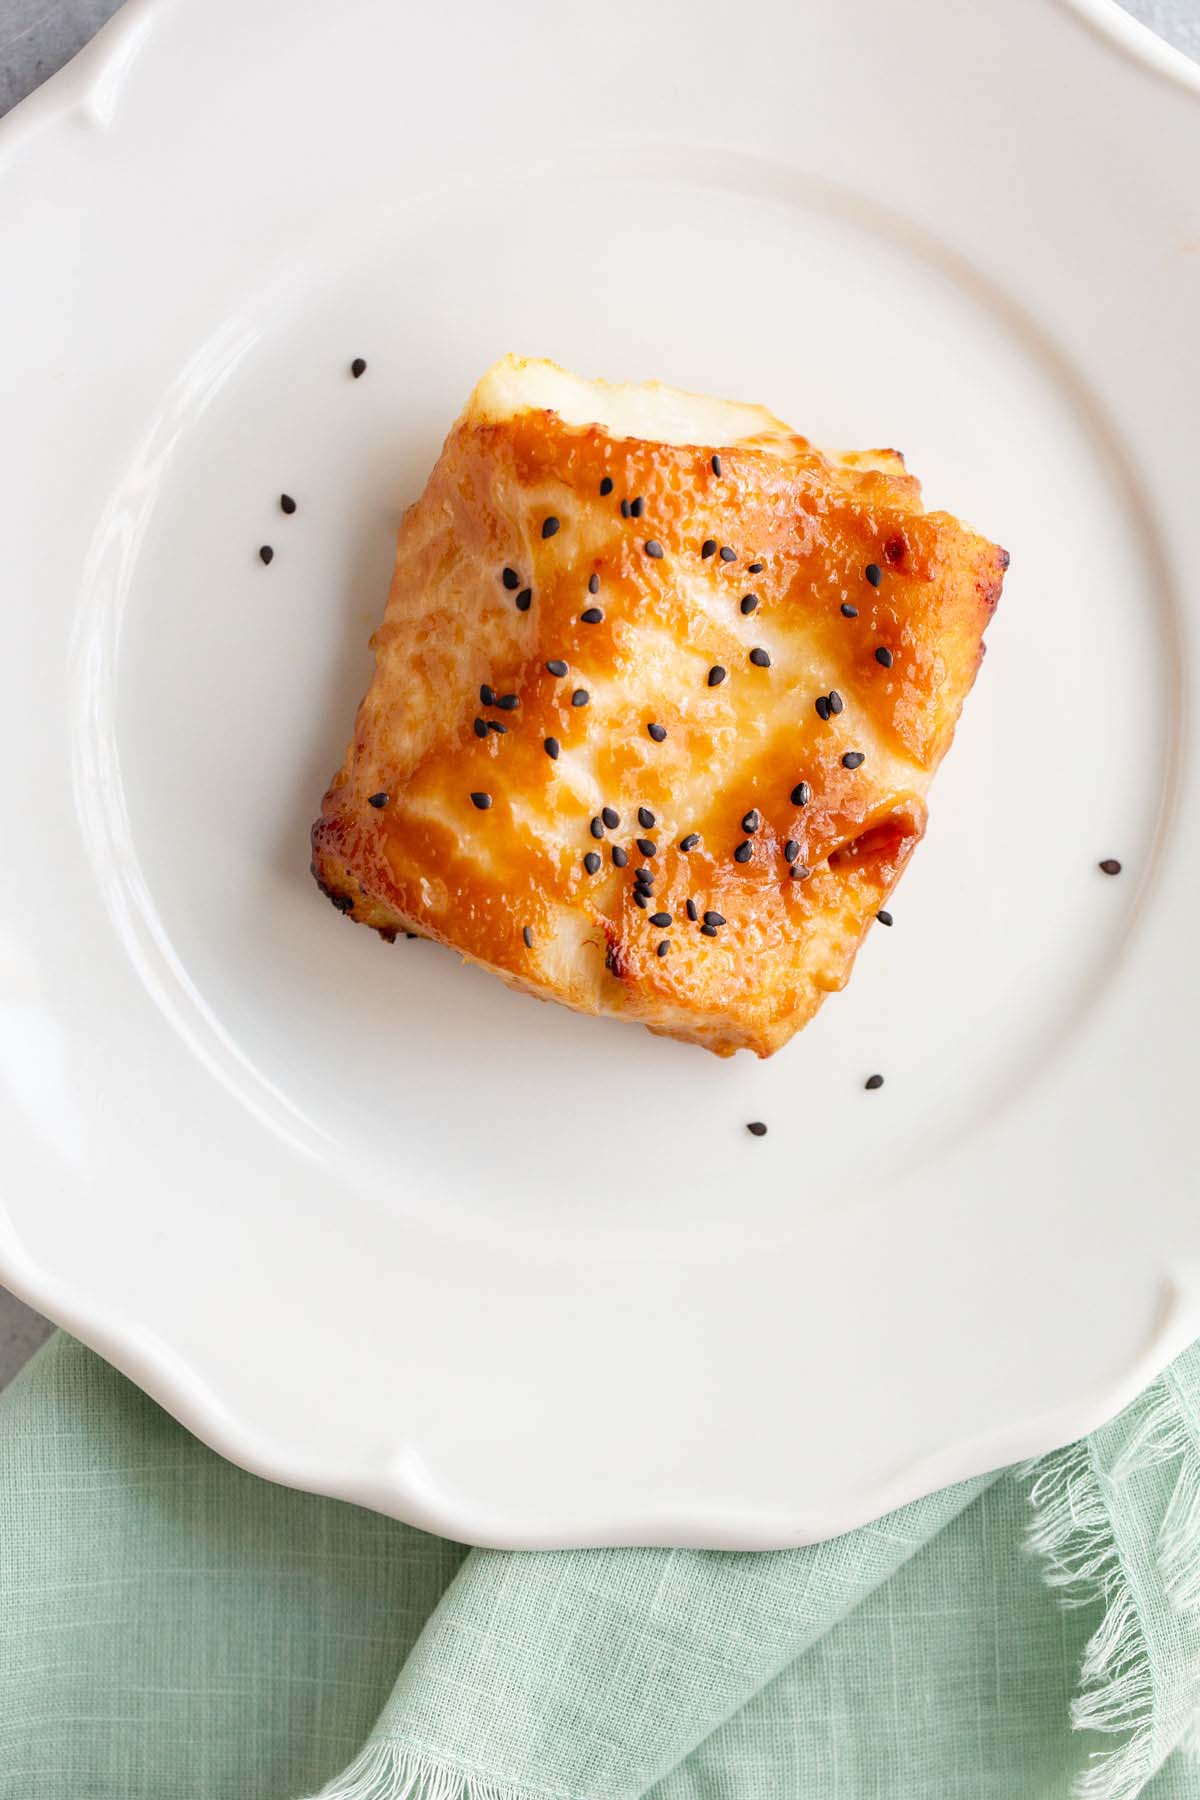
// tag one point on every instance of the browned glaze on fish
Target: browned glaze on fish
(848, 623)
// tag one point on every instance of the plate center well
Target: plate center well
(236, 685)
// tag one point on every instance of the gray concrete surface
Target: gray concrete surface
(35, 40)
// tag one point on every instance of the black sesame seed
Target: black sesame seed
(716, 465)
(791, 851)
(551, 747)
(377, 800)
(639, 899)
(884, 656)
(751, 822)
(591, 615)
(637, 507)
(286, 504)
(606, 486)
(496, 726)
(647, 846)
(714, 918)
(848, 611)
(593, 584)
(873, 1082)
(756, 1128)
(653, 547)
(508, 703)
(728, 555)
(760, 659)
(662, 920)
(597, 828)
(708, 931)
(487, 695)
(549, 526)
(1111, 866)
(265, 552)
(709, 547)
(800, 872)
(481, 728)
(801, 794)
(646, 818)
(580, 697)
(836, 703)
(591, 862)
(756, 568)
(657, 732)
(853, 759)
(884, 917)
(743, 852)
(624, 509)
(524, 599)
(511, 579)
(358, 367)
(611, 817)
(690, 841)
(661, 949)
(749, 602)
(822, 705)
(556, 667)
(527, 937)
(620, 856)
(874, 574)
(716, 675)
(691, 910)
(482, 801)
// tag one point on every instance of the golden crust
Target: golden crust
(429, 860)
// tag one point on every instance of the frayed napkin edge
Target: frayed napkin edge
(391, 1771)
(1072, 1537)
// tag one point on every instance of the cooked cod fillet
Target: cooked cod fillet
(659, 692)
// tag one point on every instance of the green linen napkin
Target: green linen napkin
(174, 1629)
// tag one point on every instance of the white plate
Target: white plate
(365, 1220)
